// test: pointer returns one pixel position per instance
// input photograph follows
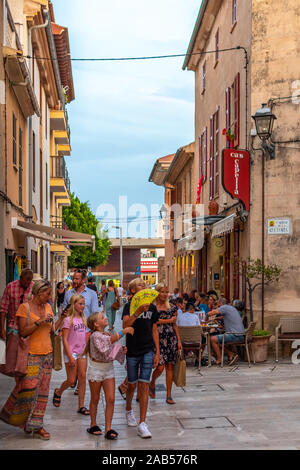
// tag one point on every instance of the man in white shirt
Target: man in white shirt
(189, 317)
(120, 291)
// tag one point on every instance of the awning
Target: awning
(223, 226)
(53, 235)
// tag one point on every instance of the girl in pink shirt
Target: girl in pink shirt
(103, 352)
(74, 341)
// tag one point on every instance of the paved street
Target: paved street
(230, 408)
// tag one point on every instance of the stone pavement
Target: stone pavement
(231, 408)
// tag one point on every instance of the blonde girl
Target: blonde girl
(74, 341)
(101, 371)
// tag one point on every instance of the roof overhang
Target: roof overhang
(160, 169)
(182, 157)
(54, 235)
(205, 20)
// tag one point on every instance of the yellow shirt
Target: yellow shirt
(40, 341)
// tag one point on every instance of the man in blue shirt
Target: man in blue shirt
(79, 288)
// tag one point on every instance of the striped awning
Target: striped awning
(223, 226)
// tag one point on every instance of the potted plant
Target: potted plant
(260, 343)
(229, 136)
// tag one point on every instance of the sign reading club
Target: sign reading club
(236, 175)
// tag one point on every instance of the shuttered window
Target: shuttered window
(14, 139)
(211, 158)
(216, 153)
(227, 112)
(237, 110)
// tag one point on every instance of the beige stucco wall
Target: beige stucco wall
(275, 66)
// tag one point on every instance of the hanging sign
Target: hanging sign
(236, 175)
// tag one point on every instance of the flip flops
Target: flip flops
(170, 401)
(95, 431)
(111, 435)
(56, 399)
(233, 360)
(83, 411)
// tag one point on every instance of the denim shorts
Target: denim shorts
(139, 368)
(230, 338)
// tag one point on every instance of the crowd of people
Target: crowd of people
(85, 316)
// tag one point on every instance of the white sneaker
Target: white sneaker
(131, 421)
(143, 431)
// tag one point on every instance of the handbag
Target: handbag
(116, 305)
(17, 349)
(179, 371)
(2, 351)
(56, 352)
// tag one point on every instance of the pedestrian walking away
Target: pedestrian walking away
(102, 352)
(112, 296)
(140, 359)
(169, 341)
(74, 341)
(27, 403)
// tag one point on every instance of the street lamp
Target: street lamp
(264, 121)
(121, 253)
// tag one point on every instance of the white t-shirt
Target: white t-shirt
(120, 291)
(187, 319)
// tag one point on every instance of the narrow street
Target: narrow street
(231, 408)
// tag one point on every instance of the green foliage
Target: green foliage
(254, 269)
(261, 333)
(79, 218)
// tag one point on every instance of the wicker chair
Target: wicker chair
(245, 343)
(287, 330)
(191, 338)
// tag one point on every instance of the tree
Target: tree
(79, 218)
(253, 270)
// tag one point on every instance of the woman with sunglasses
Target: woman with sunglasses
(26, 406)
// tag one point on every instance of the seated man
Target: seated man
(189, 317)
(232, 323)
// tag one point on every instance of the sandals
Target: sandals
(170, 401)
(123, 394)
(111, 435)
(56, 399)
(83, 411)
(41, 434)
(233, 359)
(152, 391)
(76, 391)
(95, 431)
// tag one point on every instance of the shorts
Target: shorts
(230, 338)
(75, 355)
(140, 368)
(100, 371)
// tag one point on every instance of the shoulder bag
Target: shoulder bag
(17, 349)
(116, 305)
(56, 351)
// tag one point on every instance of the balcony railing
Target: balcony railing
(58, 222)
(59, 170)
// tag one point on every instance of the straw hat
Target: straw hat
(37, 277)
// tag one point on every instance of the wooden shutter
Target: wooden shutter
(237, 110)
(227, 110)
(204, 170)
(179, 193)
(216, 152)
(200, 155)
(211, 159)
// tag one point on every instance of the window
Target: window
(203, 154)
(228, 112)
(46, 185)
(237, 110)
(217, 47)
(20, 167)
(217, 153)
(234, 11)
(41, 187)
(211, 158)
(203, 76)
(33, 161)
(14, 140)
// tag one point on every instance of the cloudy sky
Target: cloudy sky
(127, 114)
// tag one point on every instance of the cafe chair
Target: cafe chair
(245, 343)
(287, 330)
(191, 338)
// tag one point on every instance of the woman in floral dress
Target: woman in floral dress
(169, 341)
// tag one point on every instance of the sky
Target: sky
(127, 114)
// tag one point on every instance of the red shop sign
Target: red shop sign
(236, 175)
